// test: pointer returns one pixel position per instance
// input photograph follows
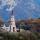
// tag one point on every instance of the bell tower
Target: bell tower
(12, 23)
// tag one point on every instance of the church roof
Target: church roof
(2, 30)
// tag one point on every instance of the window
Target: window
(13, 29)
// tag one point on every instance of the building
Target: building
(12, 25)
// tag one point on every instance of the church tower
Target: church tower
(12, 23)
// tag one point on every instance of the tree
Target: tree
(21, 24)
(39, 18)
(1, 21)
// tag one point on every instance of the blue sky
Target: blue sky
(23, 10)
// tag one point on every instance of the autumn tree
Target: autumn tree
(1, 21)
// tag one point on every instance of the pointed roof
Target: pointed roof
(11, 16)
(11, 12)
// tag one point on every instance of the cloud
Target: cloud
(2, 3)
(28, 4)
(29, 7)
(26, 7)
(9, 3)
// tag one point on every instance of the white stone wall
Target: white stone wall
(12, 22)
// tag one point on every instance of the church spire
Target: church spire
(12, 22)
(12, 13)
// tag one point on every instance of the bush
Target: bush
(23, 35)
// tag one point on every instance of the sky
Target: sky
(23, 9)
